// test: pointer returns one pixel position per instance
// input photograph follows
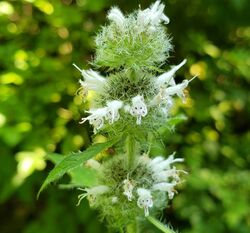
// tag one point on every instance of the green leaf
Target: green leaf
(176, 120)
(79, 176)
(73, 161)
(83, 176)
(55, 158)
(159, 225)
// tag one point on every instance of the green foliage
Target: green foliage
(79, 177)
(39, 41)
(73, 161)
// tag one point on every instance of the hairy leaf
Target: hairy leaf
(79, 176)
(74, 160)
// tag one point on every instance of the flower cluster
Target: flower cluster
(163, 86)
(136, 40)
(139, 188)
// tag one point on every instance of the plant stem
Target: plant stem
(130, 150)
(132, 228)
(159, 225)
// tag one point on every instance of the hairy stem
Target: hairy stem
(130, 150)
(159, 225)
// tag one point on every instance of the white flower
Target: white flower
(152, 17)
(166, 187)
(92, 193)
(164, 101)
(162, 176)
(156, 161)
(145, 200)
(128, 189)
(159, 164)
(117, 17)
(92, 163)
(96, 118)
(138, 109)
(178, 89)
(166, 175)
(113, 110)
(159, 98)
(167, 78)
(92, 80)
(157, 16)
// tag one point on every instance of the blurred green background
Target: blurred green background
(39, 112)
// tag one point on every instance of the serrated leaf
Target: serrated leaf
(73, 161)
(80, 176)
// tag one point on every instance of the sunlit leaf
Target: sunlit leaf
(73, 161)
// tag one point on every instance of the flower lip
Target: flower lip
(139, 108)
(145, 200)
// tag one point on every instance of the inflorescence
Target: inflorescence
(125, 193)
(134, 93)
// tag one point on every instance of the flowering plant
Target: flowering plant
(129, 106)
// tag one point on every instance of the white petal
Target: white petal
(92, 80)
(150, 18)
(167, 78)
(177, 89)
(163, 186)
(113, 110)
(156, 160)
(96, 118)
(92, 193)
(157, 14)
(145, 200)
(138, 108)
(117, 17)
